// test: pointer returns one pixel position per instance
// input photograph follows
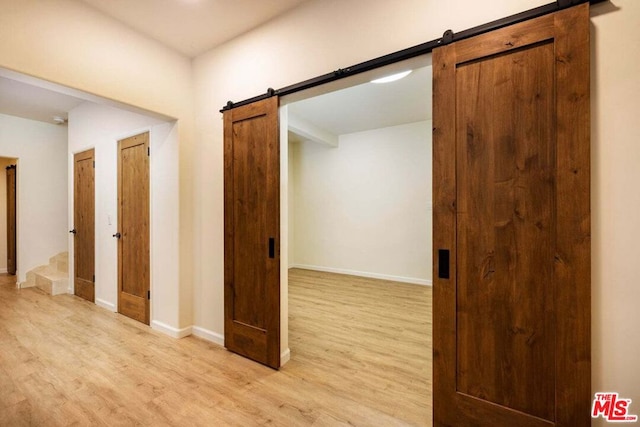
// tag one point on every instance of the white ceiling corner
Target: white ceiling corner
(370, 106)
(34, 103)
(193, 27)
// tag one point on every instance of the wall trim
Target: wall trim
(106, 305)
(285, 357)
(3, 270)
(170, 330)
(412, 280)
(208, 335)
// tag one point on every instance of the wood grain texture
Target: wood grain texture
(505, 187)
(511, 130)
(367, 339)
(252, 217)
(72, 363)
(444, 232)
(84, 224)
(133, 224)
(12, 253)
(573, 252)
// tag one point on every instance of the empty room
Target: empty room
(359, 237)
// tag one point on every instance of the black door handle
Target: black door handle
(117, 235)
(443, 263)
(272, 247)
(73, 231)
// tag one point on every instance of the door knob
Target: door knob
(73, 231)
(117, 235)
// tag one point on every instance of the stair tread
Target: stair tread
(53, 275)
(52, 278)
(60, 256)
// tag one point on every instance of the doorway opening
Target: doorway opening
(356, 237)
(83, 122)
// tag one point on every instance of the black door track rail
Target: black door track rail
(448, 37)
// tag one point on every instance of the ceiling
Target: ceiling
(32, 102)
(193, 27)
(369, 106)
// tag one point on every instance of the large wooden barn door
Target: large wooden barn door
(252, 231)
(512, 226)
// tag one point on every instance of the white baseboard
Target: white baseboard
(170, 330)
(3, 270)
(285, 357)
(402, 279)
(208, 335)
(106, 305)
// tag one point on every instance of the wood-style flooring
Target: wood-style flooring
(361, 355)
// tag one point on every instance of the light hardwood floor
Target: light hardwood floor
(360, 356)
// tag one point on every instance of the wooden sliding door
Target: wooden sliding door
(252, 231)
(512, 226)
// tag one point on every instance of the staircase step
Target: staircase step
(53, 278)
(51, 281)
(31, 280)
(60, 262)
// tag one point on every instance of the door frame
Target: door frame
(419, 61)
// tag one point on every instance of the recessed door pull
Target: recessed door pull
(272, 247)
(443, 263)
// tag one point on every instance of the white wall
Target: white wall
(615, 199)
(100, 127)
(41, 150)
(270, 57)
(70, 43)
(363, 208)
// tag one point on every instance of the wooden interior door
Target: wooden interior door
(84, 225)
(11, 220)
(252, 231)
(511, 323)
(133, 224)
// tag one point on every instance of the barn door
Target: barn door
(84, 225)
(511, 325)
(252, 231)
(133, 225)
